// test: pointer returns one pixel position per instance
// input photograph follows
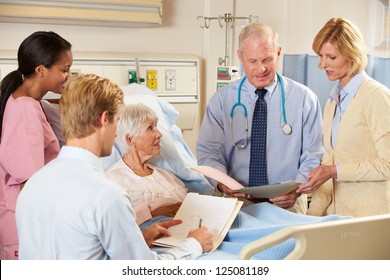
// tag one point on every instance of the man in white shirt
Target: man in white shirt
(70, 210)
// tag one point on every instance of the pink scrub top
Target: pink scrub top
(27, 143)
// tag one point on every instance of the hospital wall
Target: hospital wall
(297, 22)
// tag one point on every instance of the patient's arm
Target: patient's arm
(166, 210)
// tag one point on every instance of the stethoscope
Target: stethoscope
(286, 128)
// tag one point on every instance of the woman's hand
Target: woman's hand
(317, 178)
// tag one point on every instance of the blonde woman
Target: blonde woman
(354, 177)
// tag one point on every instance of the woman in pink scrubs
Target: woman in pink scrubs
(27, 142)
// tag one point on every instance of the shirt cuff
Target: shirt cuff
(189, 249)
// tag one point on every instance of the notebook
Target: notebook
(216, 213)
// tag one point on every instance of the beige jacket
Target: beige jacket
(362, 154)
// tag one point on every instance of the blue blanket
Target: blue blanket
(259, 220)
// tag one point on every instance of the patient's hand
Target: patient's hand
(166, 210)
(204, 237)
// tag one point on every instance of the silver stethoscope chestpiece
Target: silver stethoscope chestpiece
(286, 128)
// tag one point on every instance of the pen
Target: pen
(200, 222)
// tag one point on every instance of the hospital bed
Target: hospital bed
(356, 238)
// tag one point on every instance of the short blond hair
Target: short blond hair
(258, 30)
(83, 100)
(348, 40)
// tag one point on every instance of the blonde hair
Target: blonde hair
(130, 123)
(258, 30)
(84, 99)
(348, 40)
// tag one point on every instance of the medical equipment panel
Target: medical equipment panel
(227, 74)
(172, 77)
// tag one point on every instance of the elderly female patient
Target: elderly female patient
(156, 193)
(153, 191)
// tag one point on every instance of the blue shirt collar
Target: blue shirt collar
(350, 89)
(270, 88)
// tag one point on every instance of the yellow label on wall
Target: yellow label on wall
(151, 77)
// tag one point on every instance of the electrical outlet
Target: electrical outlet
(170, 79)
(151, 78)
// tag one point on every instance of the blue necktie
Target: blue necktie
(258, 159)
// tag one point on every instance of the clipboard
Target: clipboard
(272, 190)
(267, 191)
